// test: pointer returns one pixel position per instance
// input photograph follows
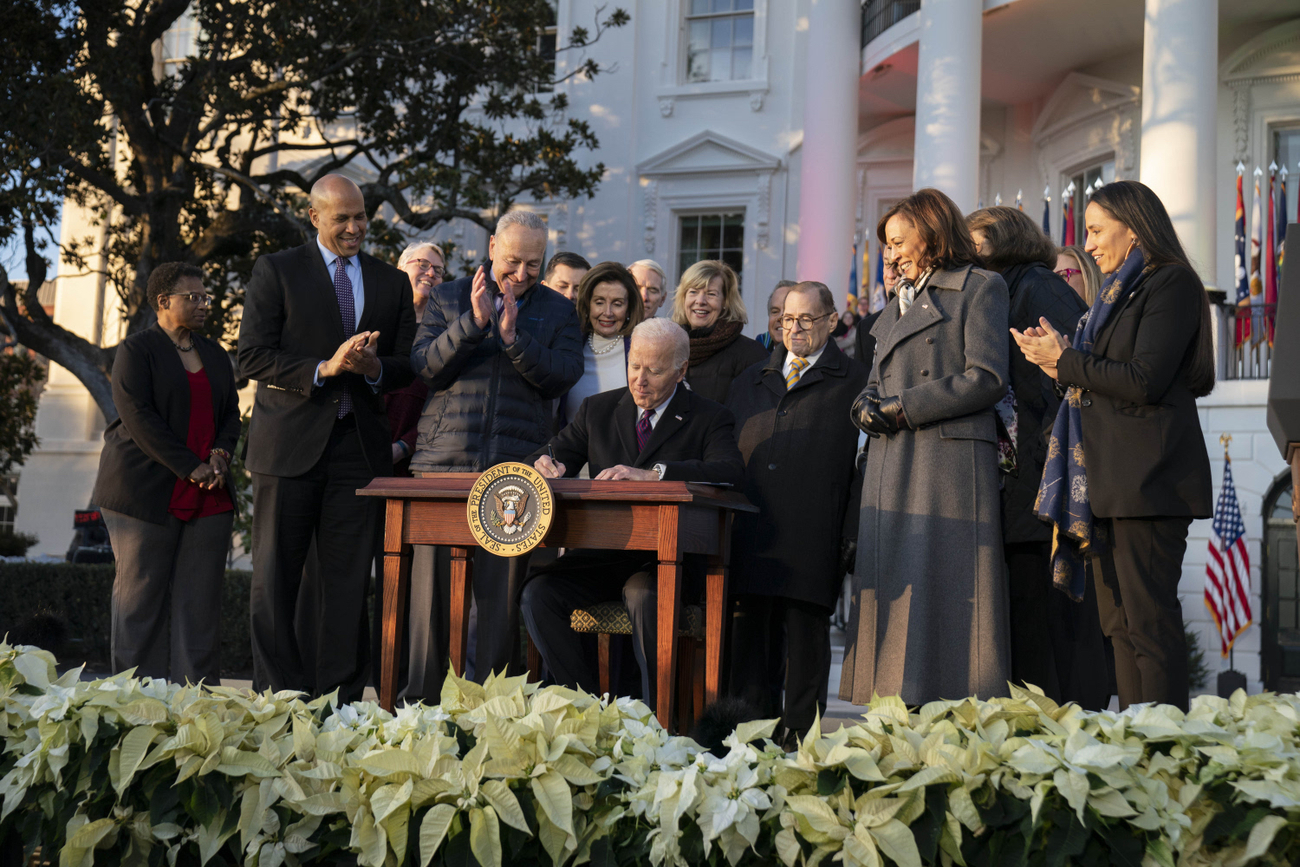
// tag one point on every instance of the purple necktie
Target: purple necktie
(348, 310)
(643, 430)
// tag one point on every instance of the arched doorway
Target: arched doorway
(1280, 657)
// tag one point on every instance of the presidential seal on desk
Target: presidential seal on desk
(510, 509)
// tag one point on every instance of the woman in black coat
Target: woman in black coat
(708, 305)
(1054, 643)
(1127, 468)
(163, 486)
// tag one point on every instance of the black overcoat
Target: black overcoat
(712, 377)
(799, 448)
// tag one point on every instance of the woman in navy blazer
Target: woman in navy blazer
(164, 485)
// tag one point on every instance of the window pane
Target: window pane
(741, 59)
(733, 232)
(744, 32)
(697, 66)
(720, 63)
(1286, 615)
(690, 234)
(734, 258)
(699, 35)
(744, 5)
(710, 235)
(700, 7)
(721, 33)
(721, 5)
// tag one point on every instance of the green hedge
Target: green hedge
(131, 772)
(65, 607)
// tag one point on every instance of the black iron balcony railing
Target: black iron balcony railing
(1246, 340)
(879, 15)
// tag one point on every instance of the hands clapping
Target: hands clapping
(357, 354)
(482, 301)
(1042, 346)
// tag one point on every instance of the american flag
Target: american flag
(1227, 574)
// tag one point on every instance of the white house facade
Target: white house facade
(774, 133)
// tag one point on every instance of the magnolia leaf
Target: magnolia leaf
(747, 732)
(896, 841)
(506, 805)
(485, 836)
(787, 847)
(433, 829)
(134, 745)
(1261, 837)
(555, 799)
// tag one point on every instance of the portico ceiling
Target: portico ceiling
(1030, 45)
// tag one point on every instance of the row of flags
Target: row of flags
(1257, 281)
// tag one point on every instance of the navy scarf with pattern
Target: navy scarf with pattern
(1063, 495)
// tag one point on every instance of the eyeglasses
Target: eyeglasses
(805, 322)
(199, 298)
(1067, 273)
(426, 265)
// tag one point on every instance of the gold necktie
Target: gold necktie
(796, 368)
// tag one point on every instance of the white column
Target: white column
(1180, 89)
(827, 194)
(947, 150)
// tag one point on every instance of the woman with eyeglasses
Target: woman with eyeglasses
(929, 611)
(1048, 631)
(423, 262)
(1077, 268)
(1127, 468)
(164, 485)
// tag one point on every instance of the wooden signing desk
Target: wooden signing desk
(670, 518)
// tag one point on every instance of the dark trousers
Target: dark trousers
(1056, 643)
(166, 609)
(289, 515)
(582, 578)
(497, 582)
(761, 623)
(1140, 611)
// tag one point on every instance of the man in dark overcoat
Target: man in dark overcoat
(788, 561)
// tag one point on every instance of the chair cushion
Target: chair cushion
(612, 618)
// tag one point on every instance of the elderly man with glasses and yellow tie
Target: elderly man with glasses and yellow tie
(788, 561)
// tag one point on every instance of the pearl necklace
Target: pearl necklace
(607, 348)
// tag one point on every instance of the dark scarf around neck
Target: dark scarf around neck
(708, 342)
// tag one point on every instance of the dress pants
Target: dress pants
(166, 609)
(581, 578)
(289, 515)
(761, 623)
(493, 645)
(1140, 611)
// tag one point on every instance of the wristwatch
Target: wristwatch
(661, 469)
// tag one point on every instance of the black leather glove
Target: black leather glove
(891, 410)
(848, 555)
(866, 412)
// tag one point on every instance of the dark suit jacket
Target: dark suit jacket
(144, 448)
(292, 323)
(865, 342)
(799, 447)
(1141, 432)
(695, 440)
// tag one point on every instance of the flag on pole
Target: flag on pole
(1047, 211)
(1227, 573)
(1020, 200)
(1281, 222)
(1256, 248)
(1067, 219)
(1239, 265)
(1270, 255)
(852, 297)
(878, 299)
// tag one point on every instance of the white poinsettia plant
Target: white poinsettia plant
(140, 771)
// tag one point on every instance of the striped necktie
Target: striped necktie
(796, 370)
(348, 312)
(643, 430)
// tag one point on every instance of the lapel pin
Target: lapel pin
(678, 417)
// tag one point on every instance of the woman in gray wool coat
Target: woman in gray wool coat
(929, 615)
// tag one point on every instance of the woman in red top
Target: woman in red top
(163, 485)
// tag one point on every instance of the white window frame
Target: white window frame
(673, 84)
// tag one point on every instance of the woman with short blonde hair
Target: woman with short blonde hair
(709, 306)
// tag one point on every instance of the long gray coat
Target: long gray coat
(929, 616)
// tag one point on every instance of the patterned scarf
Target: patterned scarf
(1063, 496)
(708, 342)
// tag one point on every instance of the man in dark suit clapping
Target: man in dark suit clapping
(326, 329)
(656, 429)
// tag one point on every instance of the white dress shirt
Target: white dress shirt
(811, 359)
(352, 267)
